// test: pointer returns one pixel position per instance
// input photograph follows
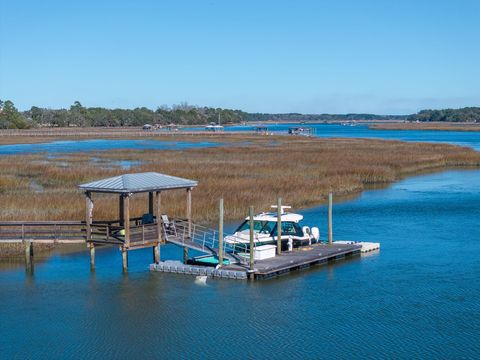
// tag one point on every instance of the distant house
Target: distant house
(147, 127)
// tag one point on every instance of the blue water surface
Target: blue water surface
(72, 146)
(419, 297)
(463, 138)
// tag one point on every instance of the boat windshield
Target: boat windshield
(262, 227)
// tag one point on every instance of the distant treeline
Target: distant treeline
(322, 117)
(467, 114)
(79, 116)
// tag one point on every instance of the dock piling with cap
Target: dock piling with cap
(220, 232)
(252, 259)
(330, 222)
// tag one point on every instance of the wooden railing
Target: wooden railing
(143, 234)
(43, 231)
(102, 232)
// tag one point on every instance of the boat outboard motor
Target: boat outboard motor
(306, 231)
(316, 233)
(290, 243)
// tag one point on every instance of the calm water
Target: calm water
(418, 298)
(463, 138)
(73, 146)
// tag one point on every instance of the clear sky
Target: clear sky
(333, 56)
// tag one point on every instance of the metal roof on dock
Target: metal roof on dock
(139, 182)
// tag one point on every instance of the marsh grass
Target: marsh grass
(300, 170)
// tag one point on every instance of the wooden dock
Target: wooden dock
(302, 258)
(154, 229)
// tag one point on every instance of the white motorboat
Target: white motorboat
(265, 230)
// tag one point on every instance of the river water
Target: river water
(463, 138)
(419, 297)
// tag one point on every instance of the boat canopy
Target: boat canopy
(272, 216)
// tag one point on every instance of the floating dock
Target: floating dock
(298, 259)
(366, 246)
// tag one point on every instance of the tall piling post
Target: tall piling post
(125, 260)
(92, 257)
(189, 219)
(88, 215)
(279, 226)
(158, 219)
(29, 257)
(220, 233)
(252, 260)
(330, 222)
(126, 219)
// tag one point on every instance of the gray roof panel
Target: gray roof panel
(140, 182)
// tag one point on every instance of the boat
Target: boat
(265, 230)
(305, 131)
(214, 127)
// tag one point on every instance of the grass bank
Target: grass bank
(427, 126)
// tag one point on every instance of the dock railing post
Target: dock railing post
(279, 226)
(330, 223)
(251, 242)
(220, 233)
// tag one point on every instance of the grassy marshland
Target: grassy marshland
(300, 170)
(427, 126)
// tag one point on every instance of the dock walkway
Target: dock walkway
(301, 258)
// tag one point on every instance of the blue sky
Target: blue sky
(261, 56)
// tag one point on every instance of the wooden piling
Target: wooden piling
(121, 210)
(220, 233)
(158, 214)
(156, 254)
(29, 257)
(92, 257)
(125, 260)
(279, 226)
(88, 215)
(189, 219)
(150, 203)
(252, 260)
(127, 219)
(330, 222)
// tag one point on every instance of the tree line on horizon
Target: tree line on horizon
(79, 116)
(467, 114)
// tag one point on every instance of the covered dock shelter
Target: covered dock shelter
(133, 233)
